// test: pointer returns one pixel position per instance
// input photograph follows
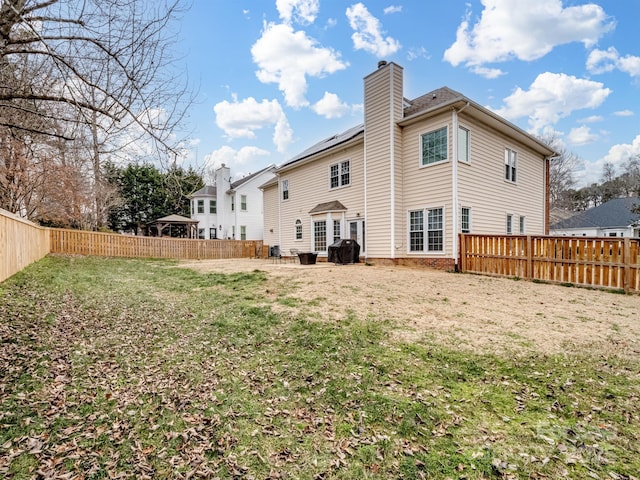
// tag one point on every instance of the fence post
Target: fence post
(626, 280)
(529, 269)
(462, 253)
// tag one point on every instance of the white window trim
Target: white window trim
(282, 190)
(425, 220)
(470, 219)
(468, 130)
(517, 170)
(339, 164)
(426, 132)
(295, 231)
(508, 223)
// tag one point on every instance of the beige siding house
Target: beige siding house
(411, 178)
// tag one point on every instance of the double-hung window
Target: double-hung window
(510, 165)
(340, 174)
(213, 208)
(233, 202)
(298, 229)
(200, 206)
(522, 225)
(434, 147)
(465, 220)
(509, 224)
(243, 203)
(243, 232)
(426, 236)
(285, 189)
(416, 231)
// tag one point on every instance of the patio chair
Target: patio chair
(294, 254)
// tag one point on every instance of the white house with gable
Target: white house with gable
(231, 210)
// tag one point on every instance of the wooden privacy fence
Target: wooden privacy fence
(81, 242)
(21, 243)
(609, 262)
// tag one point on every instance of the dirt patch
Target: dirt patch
(474, 312)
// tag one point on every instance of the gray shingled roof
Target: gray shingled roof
(614, 213)
(333, 206)
(431, 100)
(206, 190)
(245, 179)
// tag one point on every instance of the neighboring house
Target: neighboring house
(614, 218)
(231, 210)
(409, 179)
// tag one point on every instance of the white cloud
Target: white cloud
(553, 96)
(417, 52)
(232, 157)
(242, 119)
(368, 33)
(287, 57)
(602, 61)
(330, 106)
(392, 9)
(525, 30)
(624, 113)
(302, 11)
(622, 152)
(487, 72)
(582, 136)
(591, 119)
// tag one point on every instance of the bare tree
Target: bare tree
(561, 173)
(98, 72)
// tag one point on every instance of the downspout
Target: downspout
(279, 209)
(454, 188)
(392, 172)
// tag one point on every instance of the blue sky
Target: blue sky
(276, 76)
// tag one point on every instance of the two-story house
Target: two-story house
(231, 210)
(411, 178)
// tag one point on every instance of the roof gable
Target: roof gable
(249, 177)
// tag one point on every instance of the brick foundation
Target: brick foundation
(437, 263)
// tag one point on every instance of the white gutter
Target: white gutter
(454, 186)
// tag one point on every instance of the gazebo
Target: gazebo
(175, 226)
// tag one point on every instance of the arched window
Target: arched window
(298, 229)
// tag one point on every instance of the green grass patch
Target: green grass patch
(135, 368)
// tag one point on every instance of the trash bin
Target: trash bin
(307, 258)
(344, 251)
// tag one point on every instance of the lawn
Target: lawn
(141, 369)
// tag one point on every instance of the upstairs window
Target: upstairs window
(243, 203)
(213, 207)
(463, 145)
(233, 203)
(510, 165)
(285, 189)
(340, 174)
(200, 206)
(433, 147)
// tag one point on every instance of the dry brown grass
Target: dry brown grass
(474, 312)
